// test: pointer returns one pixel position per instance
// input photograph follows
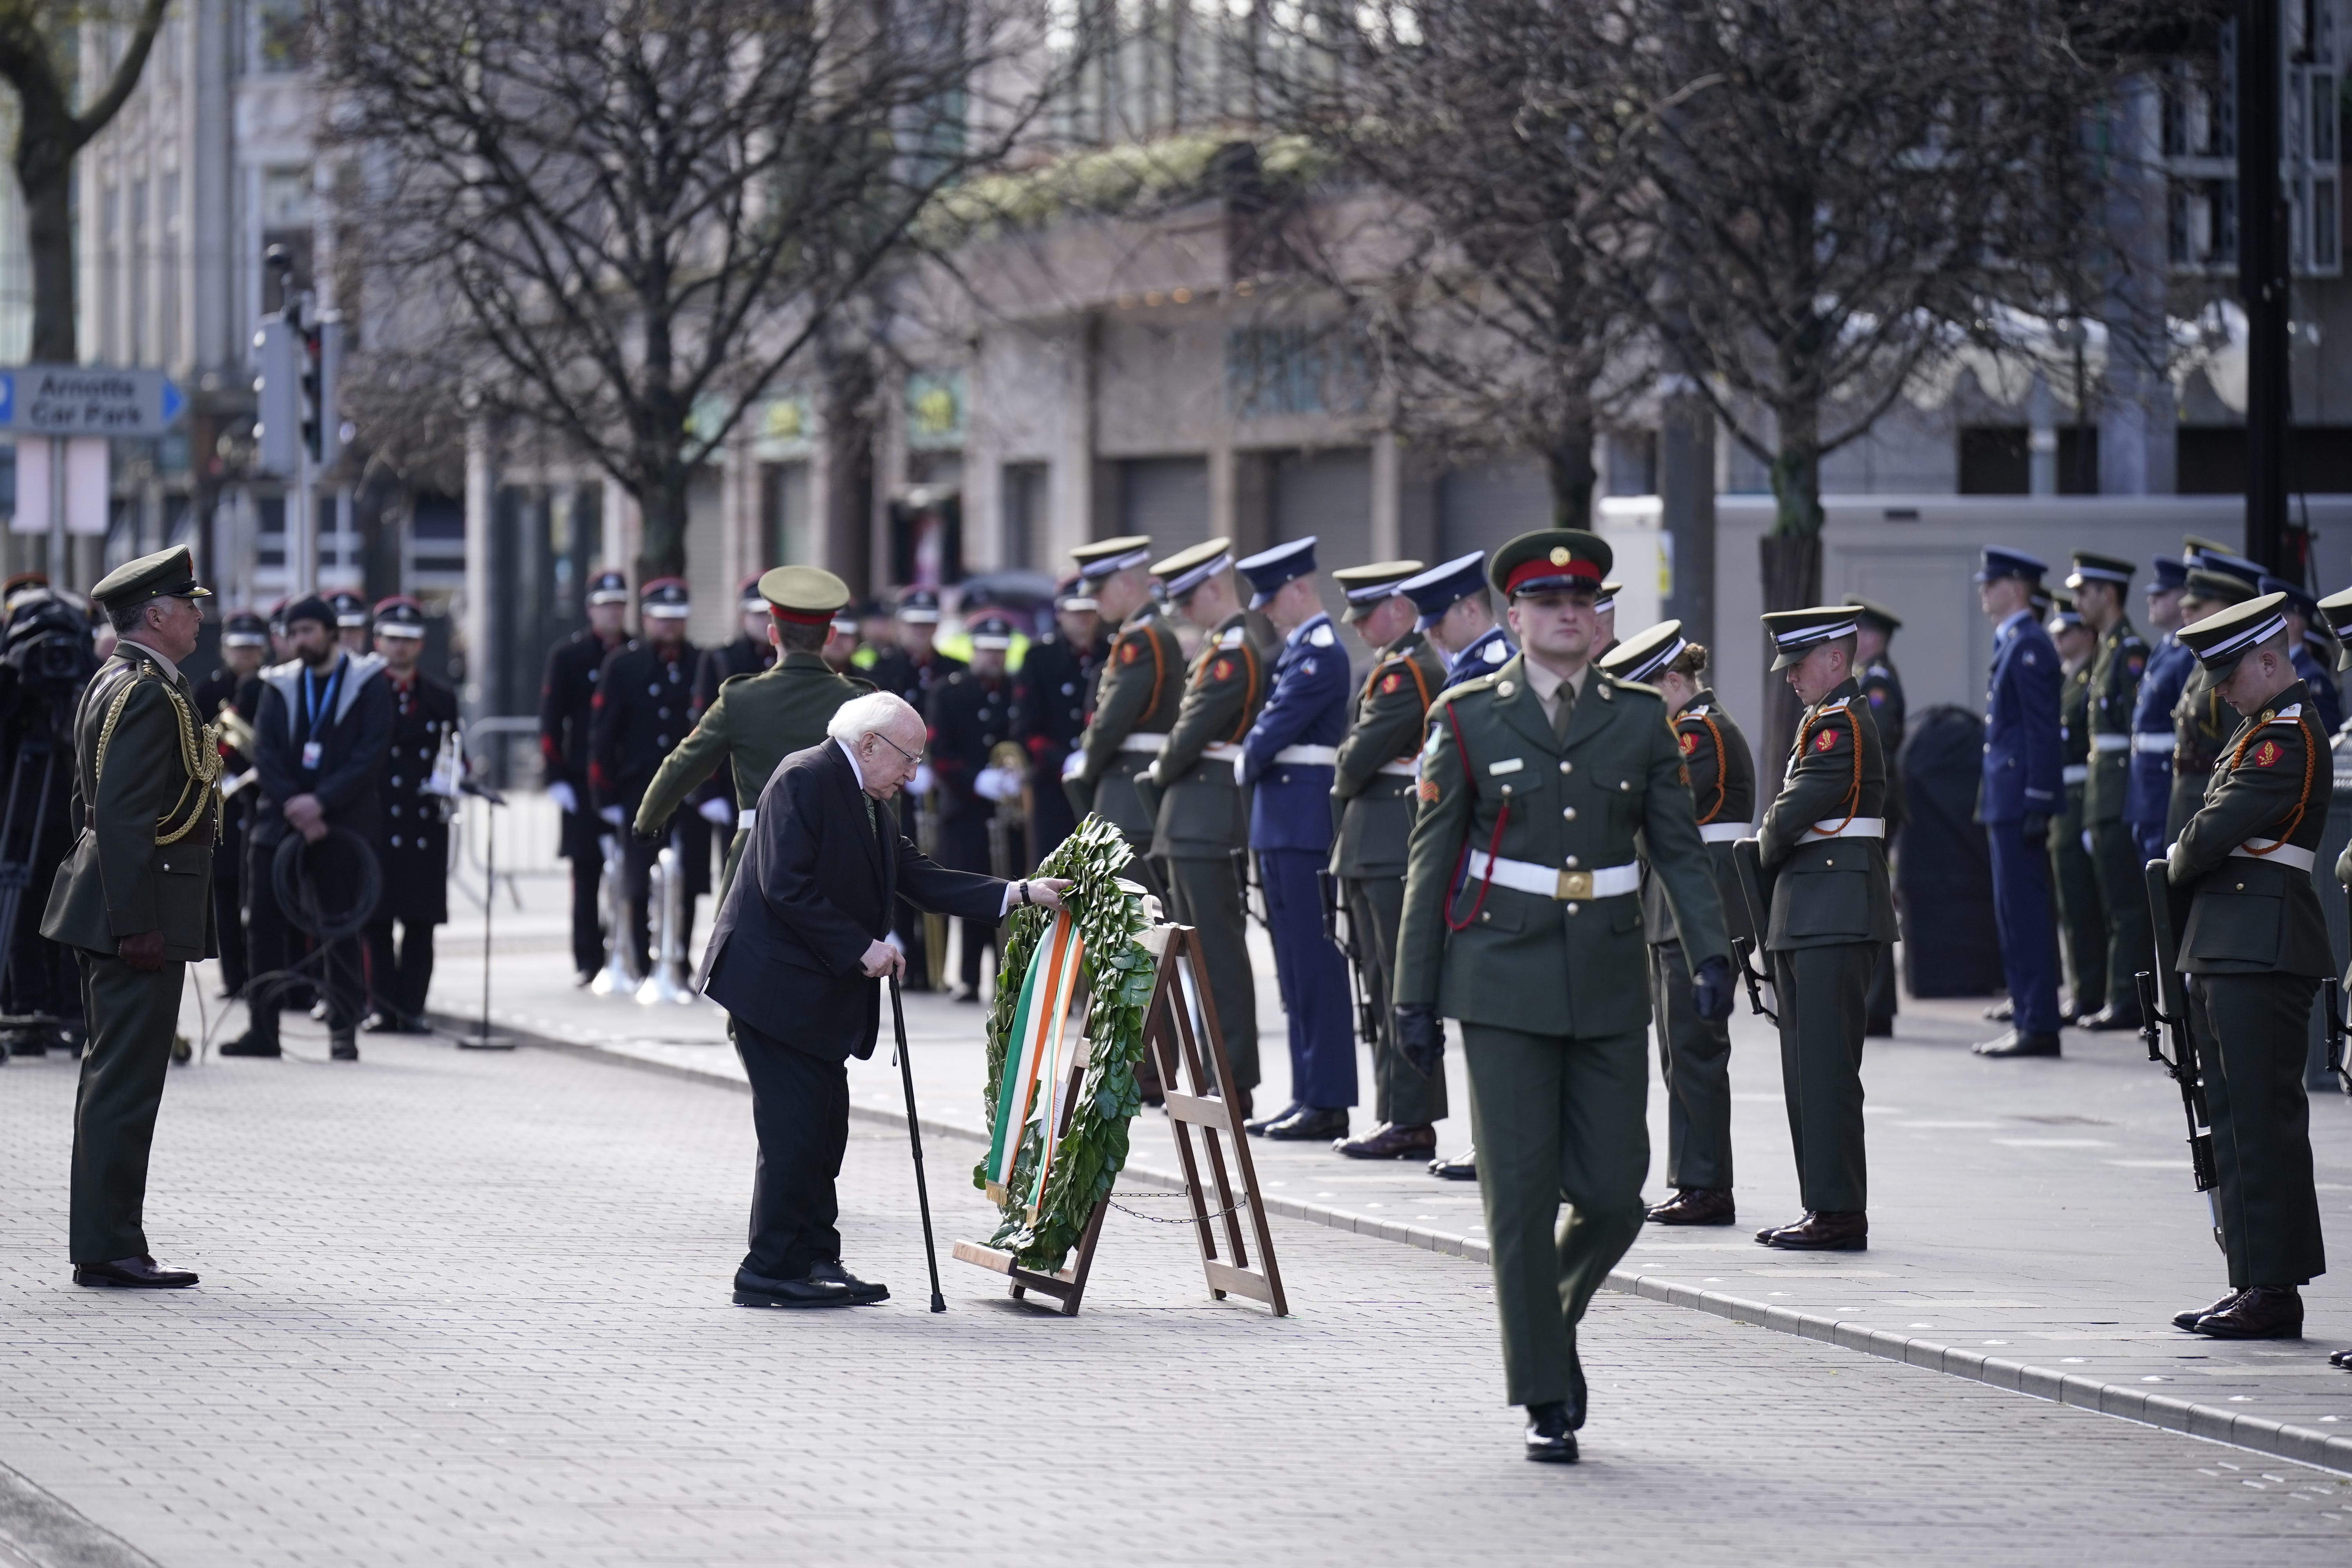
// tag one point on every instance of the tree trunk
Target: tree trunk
(1792, 565)
(49, 240)
(661, 542)
(1569, 466)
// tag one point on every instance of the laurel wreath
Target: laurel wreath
(1117, 973)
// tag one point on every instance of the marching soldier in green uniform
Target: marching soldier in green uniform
(1136, 699)
(757, 721)
(2200, 721)
(2100, 582)
(1534, 781)
(2254, 948)
(134, 901)
(1829, 910)
(1694, 1053)
(2082, 909)
(1200, 815)
(1372, 795)
(1881, 687)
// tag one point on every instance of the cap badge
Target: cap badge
(1560, 556)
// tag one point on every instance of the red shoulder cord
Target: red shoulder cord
(2302, 801)
(1493, 842)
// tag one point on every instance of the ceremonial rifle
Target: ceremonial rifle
(2166, 906)
(1756, 889)
(2336, 1028)
(1368, 1023)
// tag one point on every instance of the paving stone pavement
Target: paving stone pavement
(468, 1308)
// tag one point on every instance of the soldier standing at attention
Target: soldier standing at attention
(1202, 822)
(2149, 788)
(1822, 842)
(566, 706)
(1521, 919)
(132, 900)
(412, 835)
(2254, 948)
(2198, 726)
(1288, 755)
(913, 665)
(350, 622)
(1053, 693)
(2302, 611)
(1457, 612)
(749, 653)
(971, 714)
(244, 642)
(2100, 584)
(645, 707)
(755, 722)
(1372, 790)
(1604, 615)
(2022, 790)
(2082, 909)
(1881, 687)
(1693, 1052)
(1140, 689)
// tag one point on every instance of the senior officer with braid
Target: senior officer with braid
(134, 901)
(1521, 919)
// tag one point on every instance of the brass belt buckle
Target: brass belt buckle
(1574, 885)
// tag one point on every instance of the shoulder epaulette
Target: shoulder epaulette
(1231, 639)
(1692, 714)
(1635, 686)
(1826, 709)
(2291, 713)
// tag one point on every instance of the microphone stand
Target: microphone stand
(490, 798)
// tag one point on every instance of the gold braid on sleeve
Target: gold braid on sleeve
(199, 753)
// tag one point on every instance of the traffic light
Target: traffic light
(326, 405)
(279, 356)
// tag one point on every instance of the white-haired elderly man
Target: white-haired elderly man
(795, 958)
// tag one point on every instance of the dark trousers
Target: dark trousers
(1206, 894)
(800, 1108)
(1314, 978)
(399, 978)
(2029, 941)
(1401, 1093)
(587, 924)
(1695, 1059)
(1820, 992)
(2250, 1030)
(2123, 884)
(132, 1016)
(2081, 909)
(273, 946)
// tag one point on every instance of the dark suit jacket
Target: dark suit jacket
(812, 890)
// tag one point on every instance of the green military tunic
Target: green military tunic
(1830, 910)
(2254, 948)
(2200, 725)
(1881, 687)
(1373, 786)
(1548, 977)
(1202, 821)
(1136, 701)
(754, 724)
(2082, 909)
(2115, 676)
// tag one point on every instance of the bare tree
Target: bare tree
(51, 131)
(620, 220)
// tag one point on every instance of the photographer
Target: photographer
(46, 661)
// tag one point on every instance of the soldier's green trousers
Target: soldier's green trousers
(1206, 895)
(1695, 1059)
(2249, 1031)
(132, 1016)
(1555, 1119)
(2122, 888)
(1402, 1094)
(2082, 907)
(1821, 993)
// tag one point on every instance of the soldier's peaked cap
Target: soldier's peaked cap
(608, 588)
(2171, 574)
(2336, 610)
(2218, 587)
(1607, 599)
(990, 633)
(804, 595)
(1370, 586)
(244, 628)
(1268, 570)
(665, 599)
(2214, 559)
(920, 607)
(1645, 655)
(1105, 556)
(1874, 613)
(399, 617)
(2297, 600)
(748, 593)
(1439, 588)
(2000, 560)
(351, 610)
(2220, 640)
(2063, 613)
(1189, 568)
(2093, 567)
(1796, 632)
(166, 574)
(1551, 560)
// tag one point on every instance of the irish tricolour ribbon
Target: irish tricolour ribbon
(1034, 1056)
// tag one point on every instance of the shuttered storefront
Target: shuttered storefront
(1167, 498)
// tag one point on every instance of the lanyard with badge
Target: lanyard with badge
(315, 707)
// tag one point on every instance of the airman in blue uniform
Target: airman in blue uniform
(2302, 612)
(2169, 663)
(2022, 790)
(1458, 614)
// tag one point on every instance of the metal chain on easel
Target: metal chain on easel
(1177, 1219)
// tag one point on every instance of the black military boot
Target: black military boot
(342, 1046)
(1552, 1436)
(260, 1040)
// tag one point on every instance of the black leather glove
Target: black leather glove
(1421, 1035)
(2034, 827)
(1711, 989)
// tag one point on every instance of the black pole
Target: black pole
(2263, 280)
(915, 1138)
(490, 904)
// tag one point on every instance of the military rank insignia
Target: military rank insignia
(2268, 752)
(1390, 683)
(1688, 741)
(1825, 740)
(1127, 653)
(1221, 670)
(1427, 792)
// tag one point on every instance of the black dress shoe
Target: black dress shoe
(343, 1048)
(1257, 1129)
(1696, 1205)
(1391, 1142)
(1308, 1124)
(2110, 1019)
(759, 1290)
(141, 1273)
(2342, 1359)
(1550, 1439)
(1878, 1029)
(2188, 1320)
(864, 1292)
(1461, 1167)
(2264, 1313)
(248, 1044)
(1822, 1230)
(2018, 1044)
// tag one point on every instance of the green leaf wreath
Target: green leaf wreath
(1119, 976)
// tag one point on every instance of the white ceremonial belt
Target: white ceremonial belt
(1551, 881)
(1308, 756)
(2271, 850)
(2112, 744)
(1722, 832)
(2075, 773)
(1402, 768)
(1221, 751)
(746, 817)
(2147, 743)
(1148, 741)
(1859, 827)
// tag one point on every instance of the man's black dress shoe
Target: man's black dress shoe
(248, 1044)
(2342, 1359)
(393, 1024)
(1696, 1205)
(343, 1048)
(2188, 1320)
(1391, 1142)
(864, 1292)
(1308, 1124)
(759, 1290)
(1821, 1230)
(140, 1273)
(2110, 1019)
(1461, 1167)
(2016, 1043)
(1550, 1438)
(1257, 1129)
(2264, 1313)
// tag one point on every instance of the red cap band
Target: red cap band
(1529, 571)
(801, 617)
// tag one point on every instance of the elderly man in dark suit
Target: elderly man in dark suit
(800, 941)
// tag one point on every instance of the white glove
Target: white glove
(1073, 765)
(2086, 841)
(997, 784)
(1241, 770)
(716, 812)
(921, 783)
(561, 794)
(612, 814)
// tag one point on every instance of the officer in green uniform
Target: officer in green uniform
(2100, 584)
(1200, 815)
(1822, 844)
(2254, 948)
(1535, 781)
(1694, 1053)
(1372, 797)
(2200, 721)
(2082, 909)
(134, 901)
(1136, 699)
(1881, 687)
(757, 721)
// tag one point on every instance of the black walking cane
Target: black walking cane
(915, 1138)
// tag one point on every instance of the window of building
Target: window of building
(279, 35)
(1021, 506)
(790, 537)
